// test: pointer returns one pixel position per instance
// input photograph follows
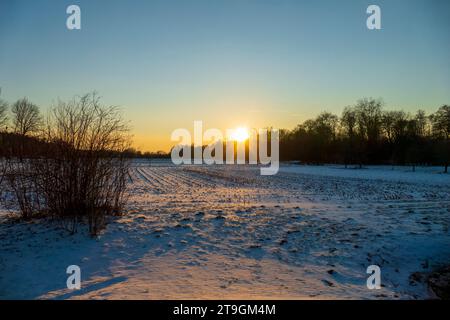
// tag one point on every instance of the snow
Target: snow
(225, 232)
(427, 175)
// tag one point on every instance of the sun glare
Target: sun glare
(240, 134)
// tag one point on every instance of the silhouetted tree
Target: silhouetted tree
(369, 118)
(26, 117)
(348, 124)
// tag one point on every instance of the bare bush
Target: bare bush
(83, 172)
(21, 179)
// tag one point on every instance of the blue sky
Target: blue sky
(226, 62)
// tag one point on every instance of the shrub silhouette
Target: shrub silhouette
(75, 168)
(84, 172)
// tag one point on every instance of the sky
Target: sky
(229, 63)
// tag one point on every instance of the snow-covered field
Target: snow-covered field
(225, 232)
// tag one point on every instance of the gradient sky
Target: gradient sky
(226, 62)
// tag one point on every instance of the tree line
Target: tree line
(364, 133)
(367, 134)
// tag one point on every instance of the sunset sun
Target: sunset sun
(240, 134)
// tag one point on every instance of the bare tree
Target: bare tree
(422, 123)
(26, 117)
(348, 122)
(369, 117)
(388, 124)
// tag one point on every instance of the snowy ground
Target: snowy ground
(226, 232)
